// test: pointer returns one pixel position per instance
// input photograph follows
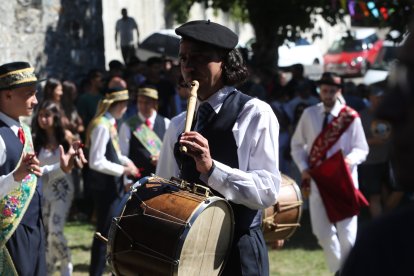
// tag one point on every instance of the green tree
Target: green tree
(274, 21)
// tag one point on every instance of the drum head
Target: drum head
(208, 241)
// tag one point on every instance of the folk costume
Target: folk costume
(140, 138)
(246, 168)
(22, 244)
(106, 170)
(242, 134)
(56, 202)
(334, 199)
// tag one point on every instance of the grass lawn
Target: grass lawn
(300, 256)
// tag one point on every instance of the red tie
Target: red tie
(148, 123)
(20, 134)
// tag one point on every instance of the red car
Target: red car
(353, 55)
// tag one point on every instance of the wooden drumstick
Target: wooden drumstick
(99, 236)
(191, 103)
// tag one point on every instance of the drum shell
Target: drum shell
(158, 219)
(281, 220)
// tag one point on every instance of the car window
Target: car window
(369, 41)
(386, 56)
(346, 45)
(301, 42)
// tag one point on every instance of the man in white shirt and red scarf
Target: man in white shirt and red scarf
(328, 144)
(233, 147)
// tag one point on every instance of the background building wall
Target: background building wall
(149, 15)
(23, 27)
(67, 38)
(152, 16)
(61, 38)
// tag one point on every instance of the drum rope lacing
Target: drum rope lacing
(270, 220)
(135, 244)
(192, 188)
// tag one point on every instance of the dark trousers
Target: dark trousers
(27, 250)
(106, 203)
(248, 255)
(127, 53)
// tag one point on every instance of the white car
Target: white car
(299, 51)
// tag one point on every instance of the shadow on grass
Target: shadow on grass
(80, 247)
(81, 268)
(303, 237)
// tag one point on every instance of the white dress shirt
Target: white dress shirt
(100, 136)
(256, 182)
(125, 131)
(352, 142)
(7, 182)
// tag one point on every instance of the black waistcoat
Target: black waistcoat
(137, 152)
(100, 181)
(223, 148)
(13, 151)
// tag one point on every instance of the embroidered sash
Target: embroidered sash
(148, 138)
(330, 135)
(112, 131)
(13, 207)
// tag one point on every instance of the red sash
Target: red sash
(330, 135)
(332, 176)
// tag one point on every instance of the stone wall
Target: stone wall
(61, 38)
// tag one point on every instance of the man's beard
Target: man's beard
(328, 104)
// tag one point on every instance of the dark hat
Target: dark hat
(208, 32)
(16, 74)
(115, 64)
(330, 78)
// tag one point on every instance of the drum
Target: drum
(170, 227)
(281, 220)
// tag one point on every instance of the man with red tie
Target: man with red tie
(140, 137)
(328, 144)
(22, 244)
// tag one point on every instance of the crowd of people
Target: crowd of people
(131, 118)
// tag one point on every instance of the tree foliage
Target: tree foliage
(274, 21)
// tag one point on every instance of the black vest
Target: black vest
(137, 152)
(223, 148)
(14, 150)
(100, 181)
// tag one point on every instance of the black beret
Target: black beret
(208, 32)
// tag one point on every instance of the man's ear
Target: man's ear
(6, 94)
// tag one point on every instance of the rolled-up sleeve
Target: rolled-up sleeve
(256, 183)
